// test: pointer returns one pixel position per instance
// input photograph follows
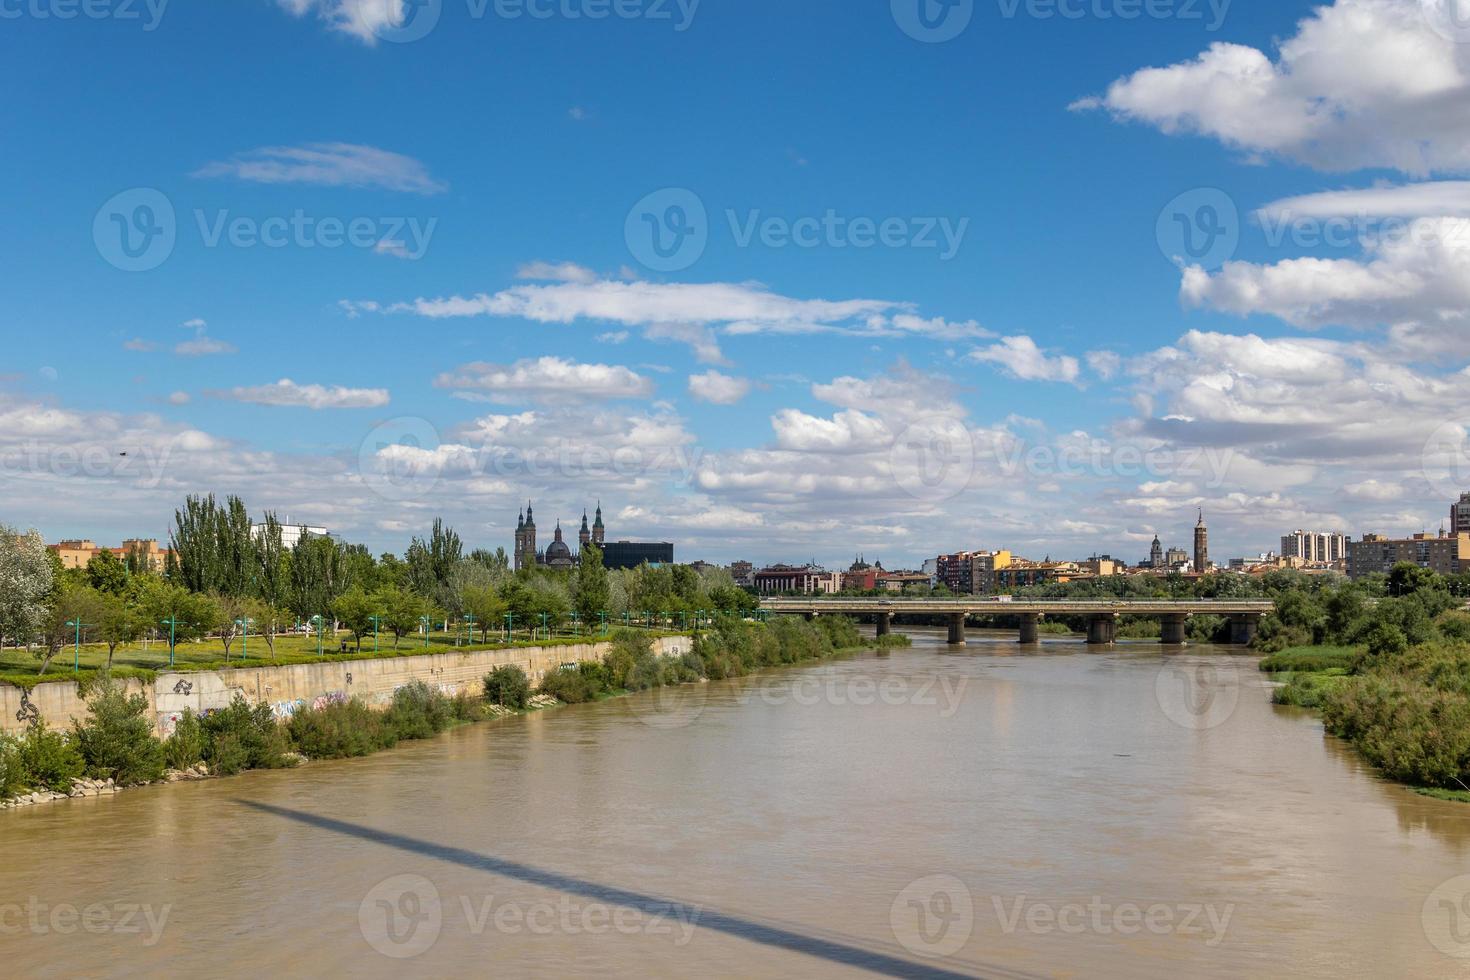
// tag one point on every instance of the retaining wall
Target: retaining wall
(290, 688)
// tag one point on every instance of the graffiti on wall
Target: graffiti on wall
(28, 714)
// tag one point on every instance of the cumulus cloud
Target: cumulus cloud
(545, 379)
(288, 394)
(1362, 83)
(364, 20)
(1021, 358)
(717, 388)
(1297, 401)
(330, 165)
(1418, 283)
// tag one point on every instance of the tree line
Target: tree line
(225, 574)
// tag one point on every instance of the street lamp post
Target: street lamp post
(173, 624)
(77, 665)
(317, 621)
(244, 623)
(376, 620)
(470, 622)
(510, 625)
(424, 622)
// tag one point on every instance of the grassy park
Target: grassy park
(20, 667)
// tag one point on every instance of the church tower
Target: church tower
(1201, 546)
(597, 528)
(1156, 554)
(584, 536)
(526, 553)
(520, 546)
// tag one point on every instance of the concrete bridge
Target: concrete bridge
(1101, 614)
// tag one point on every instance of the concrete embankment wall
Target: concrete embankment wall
(291, 688)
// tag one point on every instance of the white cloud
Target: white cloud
(1294, 401)
(1104, 363)
(574, 293)
(546, 379)
(1363, 83)
(364, 20)
(717, 388)
(393, 247)
(613, 337)
(288, 394)
(1021, 358)
(203, 346)
(1443, 198)
(179, 398)
(328, 164)
(556, 272)
(1418, 283)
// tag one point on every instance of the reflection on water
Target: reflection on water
(975, 811)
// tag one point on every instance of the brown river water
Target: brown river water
(975, 811)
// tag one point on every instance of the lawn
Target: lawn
(19, 667)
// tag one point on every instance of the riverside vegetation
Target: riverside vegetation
(1386, 662)
(116, 742)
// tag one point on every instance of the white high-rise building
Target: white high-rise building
(1315, 547)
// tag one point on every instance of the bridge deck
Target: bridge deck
(981, 606)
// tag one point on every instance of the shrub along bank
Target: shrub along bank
(1407, 711)
(117, 740)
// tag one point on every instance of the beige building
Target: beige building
(1446, 554)
(77, 552)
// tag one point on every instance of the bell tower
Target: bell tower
(1201, 546)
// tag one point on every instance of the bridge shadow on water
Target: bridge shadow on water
(833, 948)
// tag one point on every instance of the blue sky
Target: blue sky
(496, 161)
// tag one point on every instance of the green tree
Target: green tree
(402, 611)
(74, 603)
(431, 563)
(354, 609)
(107, 574)
(119, 620)
(320, 573)
(195, 545)
(233, 613)
(485, 604)
(272, 564)
(591, 588)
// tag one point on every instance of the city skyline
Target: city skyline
(854, 338)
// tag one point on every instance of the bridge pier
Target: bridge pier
(885, 623)
(1175, 629)
(1102, 629)
(1030, 629)
(1243, 628)
(957, 630)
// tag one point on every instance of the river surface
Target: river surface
(975, 811)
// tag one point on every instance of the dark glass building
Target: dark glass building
(631, 554)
